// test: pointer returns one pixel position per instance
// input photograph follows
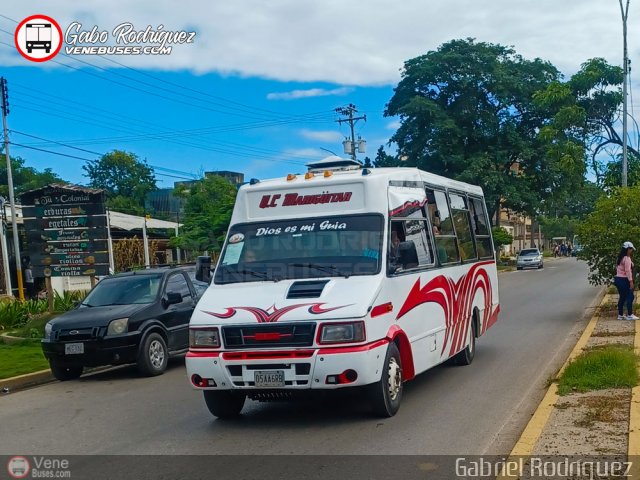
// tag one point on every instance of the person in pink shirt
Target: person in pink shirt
(624, 281)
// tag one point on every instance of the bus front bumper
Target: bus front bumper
(314, 368)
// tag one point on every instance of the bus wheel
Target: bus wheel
(465, 357)
(386, 394)
(225, 403)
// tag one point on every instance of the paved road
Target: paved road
(478, 409)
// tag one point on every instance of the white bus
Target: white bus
(343, 277)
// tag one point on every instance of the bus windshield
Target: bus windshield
(302, 248)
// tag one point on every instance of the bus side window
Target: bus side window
(432, 212)
(414, 235)
(442, 225)
(481, 228)
(462, 221)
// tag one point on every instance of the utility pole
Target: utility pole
(350, 145)
(14, 219)
(625, 67)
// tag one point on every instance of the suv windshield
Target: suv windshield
(124, 291)
(527, 253)
(302, 248)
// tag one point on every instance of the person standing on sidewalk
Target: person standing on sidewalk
(624, 281)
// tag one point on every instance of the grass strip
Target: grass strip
(612, 366)
(20, 358)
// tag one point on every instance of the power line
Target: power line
(247, 108)
(163, 137)
(155, 167)
(229, 111)
(314, 117)
(84, 159)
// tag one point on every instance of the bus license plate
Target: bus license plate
(269, 378)
(73, 348)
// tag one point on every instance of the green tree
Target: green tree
(501, 237)
(383, 159)
(122, 174)
(208, 207)
(598, 89)
(24, 178)
(129, 205)
(575, 204)
(612, 175)
(467, 111)
(616, 219)
(564, 226)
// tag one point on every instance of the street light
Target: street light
(624, 11)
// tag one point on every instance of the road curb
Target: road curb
(633, 448)
(532, 432)
(42, 377)
(26, 380)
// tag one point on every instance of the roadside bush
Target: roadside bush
(12, 315)
(67, 301)
(501, 237)
(615, 220)
(15, 314)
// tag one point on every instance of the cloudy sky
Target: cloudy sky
(256, 90)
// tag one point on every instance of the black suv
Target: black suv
(137, 317)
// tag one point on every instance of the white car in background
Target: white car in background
(529, 258)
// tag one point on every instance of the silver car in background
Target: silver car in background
(529, 258)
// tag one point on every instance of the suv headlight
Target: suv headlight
(206, 337)
(48, 328)
(116, 327)
(347, 332)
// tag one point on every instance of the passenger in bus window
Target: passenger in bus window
(397, 236)
(395, 243)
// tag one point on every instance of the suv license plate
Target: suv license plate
(269, 378)
(73, 348)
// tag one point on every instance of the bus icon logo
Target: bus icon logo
(18, 467)
(38, 38)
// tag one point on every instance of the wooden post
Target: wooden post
(49, 293)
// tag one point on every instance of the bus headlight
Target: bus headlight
(207, 337)
(347, 332)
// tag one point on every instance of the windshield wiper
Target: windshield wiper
(261, 275)
(87, 305)
(322, 268)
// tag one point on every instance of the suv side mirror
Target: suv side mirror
(203, 269)
(172, 298)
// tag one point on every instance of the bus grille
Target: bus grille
(269, 336)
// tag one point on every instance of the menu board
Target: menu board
(66, 231)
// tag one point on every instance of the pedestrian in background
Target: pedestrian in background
(29, 281)
(624, 281)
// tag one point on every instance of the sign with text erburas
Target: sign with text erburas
(67, 230)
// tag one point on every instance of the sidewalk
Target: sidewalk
(595, 423)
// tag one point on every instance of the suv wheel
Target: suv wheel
(153, 356)
(63, 373)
